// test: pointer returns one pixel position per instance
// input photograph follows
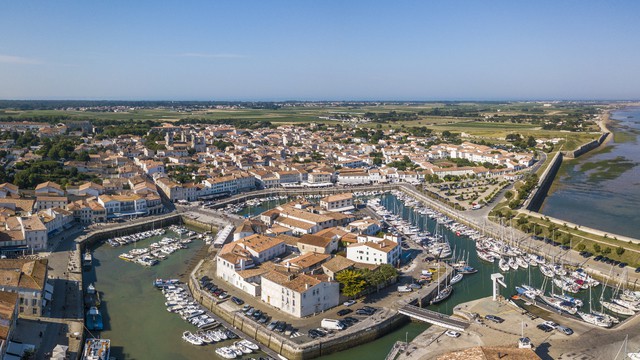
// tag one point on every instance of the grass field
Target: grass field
(472, 127)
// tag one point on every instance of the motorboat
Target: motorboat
(191, 338)
(456, 279)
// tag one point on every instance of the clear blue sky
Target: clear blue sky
(317, 50)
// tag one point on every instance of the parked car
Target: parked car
(494, 318)
(236, 300)
(348, 320)
(280, 326)
(246, 308)
(349, 302)
(313, 333)
(622, 265)
(551, 324)
(344, 312)
(263, 319)
(565, 330)
(544, 327)
(453, 334)
(272, 325)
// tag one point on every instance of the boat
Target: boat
(559, 304)
(226, 353)
(91, 297)
(546, 271)
(482, 255)
(442, 294)
(522, 262)
(568, 298)
(96, 349)
(250, 345)
(628, 304)
(594, 319)
(87, 259)
(503, 264)
(160, 283)
(94, 319)
(456, 279)
(468, 270)
(618, 309)
(513, 263)
(245, 350)
(191, 338)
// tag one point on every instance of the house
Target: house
(48, 202)
(366, 226)
(383, 252)
(335, 265)
(34, 232)
(123, 205)
(235, 258)
(8, 318)
(317, 244)
(27, 278)
(299, 295)
(49, 188)
(305, 263)
(338, 202)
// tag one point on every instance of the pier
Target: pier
(434, 318)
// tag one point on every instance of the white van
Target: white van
(332, 324)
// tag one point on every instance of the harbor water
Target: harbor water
(601, 189)
(140, 327)
(135, 317)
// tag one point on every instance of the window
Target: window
(35, 311)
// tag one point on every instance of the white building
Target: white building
(299, 295)
(383, 252)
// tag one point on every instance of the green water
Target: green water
(470, 288)
(135, 317)
(139, 326)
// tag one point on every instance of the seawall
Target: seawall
(586, 147)
(534, 202)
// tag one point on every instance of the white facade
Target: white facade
(307, 301)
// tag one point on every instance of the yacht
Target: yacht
(94, 319)
(456, 279)
(96, 349)
(191, 338)
(618, 309)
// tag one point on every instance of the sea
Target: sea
(601, 189)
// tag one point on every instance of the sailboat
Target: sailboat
(443, 293)
(594, 318)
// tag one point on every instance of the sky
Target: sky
(320, 50)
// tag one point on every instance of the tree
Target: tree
(606, 251)
(620, 250)
(508, 194)
(352, 282)
(581, 247)
(596, 248)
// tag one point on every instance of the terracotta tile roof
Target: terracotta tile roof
(29, 274)
(260, 243)
(337, 197)
(338, 263)
(308, 260)
(384, 245)
(314, 240)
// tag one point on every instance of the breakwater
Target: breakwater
(535, 200)
(586, 147)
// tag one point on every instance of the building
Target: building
(48, 202)
(337, 264)
(123, 205)
(367, 226)
(299, 295)
(8, 317)
(383, 252)
(27, 278)
(317, 244)
(338, 202)
(234, 258)
(49, 188)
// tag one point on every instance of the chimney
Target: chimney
(306, 286)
